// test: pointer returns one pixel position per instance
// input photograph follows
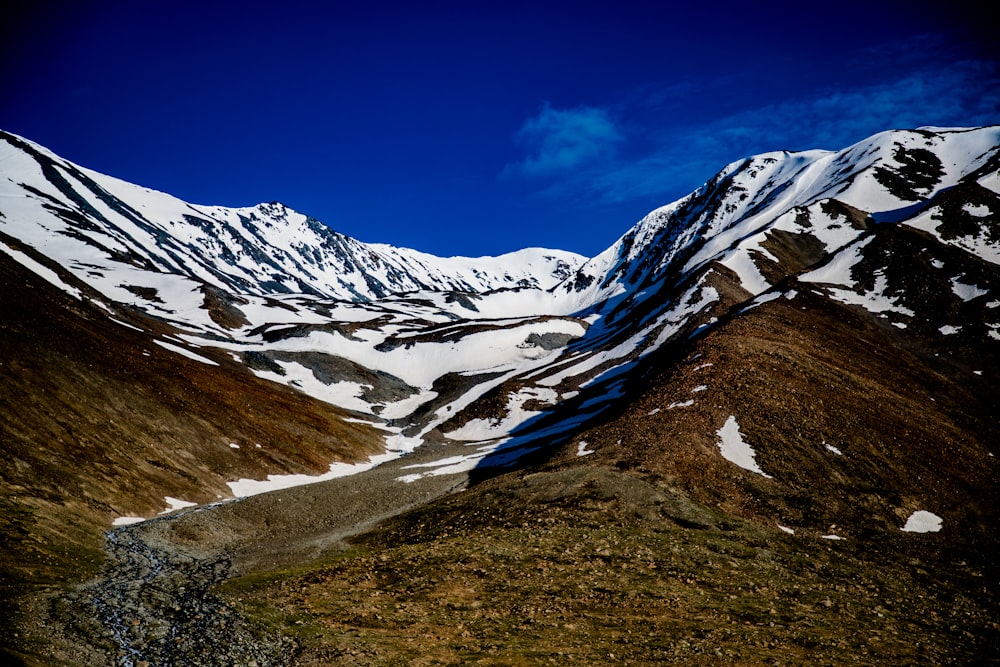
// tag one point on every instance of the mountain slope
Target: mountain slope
(98, 421)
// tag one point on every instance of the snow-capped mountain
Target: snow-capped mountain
(546, 338)
(809, 342)
(107, 227)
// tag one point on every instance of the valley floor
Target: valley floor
(569, 564)
(588, 565)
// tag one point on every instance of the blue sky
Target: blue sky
(457, 128)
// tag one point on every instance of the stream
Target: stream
(156, 607)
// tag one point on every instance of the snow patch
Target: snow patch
(42, 271)
(966, 292)
(127, 520)
(735, 450)
(976, 210)
(174, 504)
(838, 272)
(581, 449)
(922, 521)
(486, 429)
(184, 352)
(251, 487)
(126, 325)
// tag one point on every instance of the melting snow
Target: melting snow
(486, 429)
(761, 299)
(741, 262)
(251, 487)
(701, 387)
(948, 329)
(581, 449)
(681, 404)
(127, 520)
(838, 272)
(185, 352)
(922, 521)
(976, 210)
(980, 243)
(125, 324)
(174, 504)
(419, 364)
(833, 449)
(876, 301)
(966, 292)
(735, 449)
(786, 529)
(42, 271)
(454, 464)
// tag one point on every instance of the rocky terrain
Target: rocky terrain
(759, 429)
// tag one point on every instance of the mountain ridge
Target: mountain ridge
(806, 343)
(796, 217)
(308, 256)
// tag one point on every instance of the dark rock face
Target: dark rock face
(918, 172)
(549, 341)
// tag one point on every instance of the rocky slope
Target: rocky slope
(797, 364)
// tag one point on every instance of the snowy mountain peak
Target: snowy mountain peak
(106, 225)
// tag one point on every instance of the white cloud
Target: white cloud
(594, 162)
(559, 140)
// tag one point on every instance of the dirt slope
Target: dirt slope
(98, 421)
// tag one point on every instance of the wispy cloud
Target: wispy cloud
(659, 163)
(557, 141)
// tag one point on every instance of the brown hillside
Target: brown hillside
(98, 421)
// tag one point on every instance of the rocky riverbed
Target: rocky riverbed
(154, 606)
(153, 602)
